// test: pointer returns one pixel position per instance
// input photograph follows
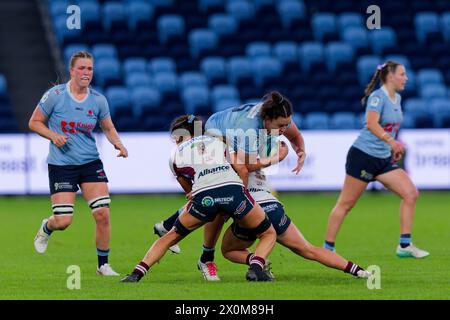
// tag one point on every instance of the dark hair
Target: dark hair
(381, 74)
(186, 122)
(79, 55)
(275, 105)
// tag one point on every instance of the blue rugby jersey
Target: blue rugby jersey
(75, 119)
(391, 117)
(240, 125)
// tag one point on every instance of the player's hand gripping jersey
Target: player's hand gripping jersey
(76, 120)
(202, 159)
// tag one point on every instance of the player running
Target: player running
(67, 115)
(374, 155)
(216, 189)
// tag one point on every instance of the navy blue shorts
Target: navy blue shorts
(275, 212)
(233, 200)
(365, 167)
(68, 178)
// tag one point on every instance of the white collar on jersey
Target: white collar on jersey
(387, 94)
(71, 95)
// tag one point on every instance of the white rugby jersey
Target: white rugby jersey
(202, 160)
(259, 188)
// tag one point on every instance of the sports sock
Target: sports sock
(405, 240)
(328, 245)
(46, 229)
(141, 269)
(169, 222)
(249, 258)
(207, 254)
(352, 268)
(257, 263)
(102, 256)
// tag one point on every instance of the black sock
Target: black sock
(207, 254)
(352, 268)
(257, 263)
(169, 222)
(405, 240)
(102, 256)
(141, 269)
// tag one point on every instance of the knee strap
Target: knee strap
(99, 202)
(62, 209)
(180, 229)
(263, 226)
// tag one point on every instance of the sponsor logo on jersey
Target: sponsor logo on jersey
(225, 200)
(270, 207)
(214, 170)
(240, 208)
(76, 127)
(375, 101)
(366, 175)
(207, 201)
(283, 220)
(62, 185)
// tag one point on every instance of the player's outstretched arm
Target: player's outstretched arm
(111, 133)
(298, 144)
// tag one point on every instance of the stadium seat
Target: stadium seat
(240, 71)
(108, 72)
(382, 39)
(214, 68)
(350, 20)
(224, 92)
(196, 100)
(138, 79)
(338, 53)
(343, 121)
(399, 58)
(427, 26)
(211, 6)
(146, 101)
(267, 71)
(317, 121)
(445, 24)
(202, 42)
(162, 64)
(292, 13)
(416, 105)
(191, 78)
(65, 35)
(171, 28)
(131, 65)
(440, 109)
(324, 26)
(167, 84)
(119, 100)
(240, 9)
(429, 76)
(433, 90)
(103, 50)
(222, 24)
(311, 54)
(140, 16)
(258, 49)
(366, 67)
(286, 52)
(114, 18)
(356, 37)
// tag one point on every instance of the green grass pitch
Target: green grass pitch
(369, 236)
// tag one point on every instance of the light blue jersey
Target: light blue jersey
(75, 119)
(242, 126)
(390, 119)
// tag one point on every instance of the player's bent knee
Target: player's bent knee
(99, 203)
(63, 213)
(180, 229)
(263, 226)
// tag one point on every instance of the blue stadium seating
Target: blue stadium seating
(258, 49)
(70, 49)
(203, 42)
(171, 28)
(317, 121)
(427, 26)
(146, 101)
(196, 100)
(109, 72)
(357, 38)
(366, 67)
(445, 23)
(429, 76)
(311, 54)
(119, 100)
(343, 121)
(134, 65)
(224, 92)
(338, 53)
(292, 13)
(433, 90)
(215, 70)
(324, 26)
(141, 15)
(350, 20)
(162, 64)
(239, 71)
(225, 104)
(103, 50)
(191, 78)
(138, 79)
(383, 39)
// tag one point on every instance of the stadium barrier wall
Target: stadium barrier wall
(23, 167)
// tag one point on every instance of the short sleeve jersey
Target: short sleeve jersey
(391, 117)
(76, 120)
(202, 160)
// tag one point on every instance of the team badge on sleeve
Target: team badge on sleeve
(374, 102)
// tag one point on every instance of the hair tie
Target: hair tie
(381, 66)
(191, 118)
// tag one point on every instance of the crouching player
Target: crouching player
(237, 239)
(216, 189)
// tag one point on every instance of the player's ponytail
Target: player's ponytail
(275, 105)
(380, 75)
(187, 125)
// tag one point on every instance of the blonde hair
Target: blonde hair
(80, 55)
